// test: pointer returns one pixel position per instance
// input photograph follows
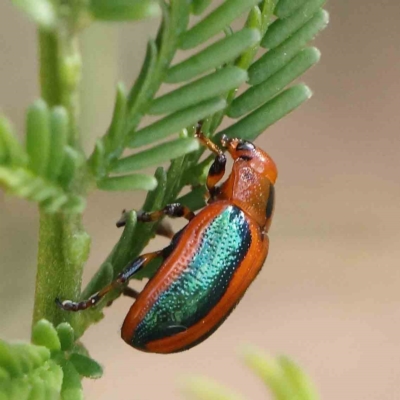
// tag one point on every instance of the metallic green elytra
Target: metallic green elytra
(203, 281)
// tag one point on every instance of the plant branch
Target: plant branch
(63, 243)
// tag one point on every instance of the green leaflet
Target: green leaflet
(86, 366)
(114, 138)
(281, 29)
(28, 372)
(215, 22)
(23, 183)
(254, 21)
(198, 6)
(121, 253)
(141, 90)
(253, 124)
(66, 336)
(276, 58)
(97, 162)
(128, 182)
(44, 334)
(124, 10)
(59, 128)
(267, 8)
(156, 155)
(71, 386)
(72, 161)
(38, 136)
(285, 8)
(11, 152)
(257, 95)
(204, 88)
(175, 122)
(217, 54)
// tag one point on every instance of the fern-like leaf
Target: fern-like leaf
(50, 368)
(227, 63)
(28, 372)
(43, 171)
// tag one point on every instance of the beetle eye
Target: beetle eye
(245, 145)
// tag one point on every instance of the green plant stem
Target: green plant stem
(60, 73)
(63, 250)
(63, 243)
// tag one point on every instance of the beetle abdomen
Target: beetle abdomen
(201, 284)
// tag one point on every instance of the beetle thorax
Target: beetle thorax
(248, 189)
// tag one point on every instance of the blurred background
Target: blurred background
(329, 294)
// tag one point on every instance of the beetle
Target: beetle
(209, 264)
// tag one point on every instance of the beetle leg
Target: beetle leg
(119, 282)
(217, 169)
(163, 229)
(174, 210)
(129, 292)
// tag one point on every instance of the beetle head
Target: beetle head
(256, 158)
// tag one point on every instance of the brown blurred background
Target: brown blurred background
(329, 294)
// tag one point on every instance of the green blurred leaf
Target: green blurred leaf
(215, 55)
(42, 12)
(215, 22)
(23, 183)
(206, 389)
(124, 10)
(8, 361)
(253, 124)
(282, 376)
(28, 373)
(301, 383)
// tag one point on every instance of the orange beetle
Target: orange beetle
(209, 264)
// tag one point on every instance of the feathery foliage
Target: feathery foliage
(49, 368)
